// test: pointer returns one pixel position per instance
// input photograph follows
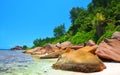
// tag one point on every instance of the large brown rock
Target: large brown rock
(55, 54)
(91, 49)
(39, 51)
(32, 50)
(43, 50)
(116, 35)
(50, 48)
(52, 55)
(64, 45)
(79, 60)
(109, 49)
(59, 52)
(76, 47)
(90, 43)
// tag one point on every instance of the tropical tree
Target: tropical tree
(59, 31)
(24, 47)
(74, 13)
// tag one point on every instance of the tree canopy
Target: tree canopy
(99, 20)
(59, 31)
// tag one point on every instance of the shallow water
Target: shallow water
(18, 63)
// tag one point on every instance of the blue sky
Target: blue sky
(22, 21)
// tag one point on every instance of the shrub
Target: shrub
(106, 35)
(82, 37)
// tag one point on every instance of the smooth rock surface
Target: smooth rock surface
(80, 61)
(109, 49)
(116, 35)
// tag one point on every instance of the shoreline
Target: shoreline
(111, 69)
(34, 66)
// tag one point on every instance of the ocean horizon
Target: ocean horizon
(4, 49)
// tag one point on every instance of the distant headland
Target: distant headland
(17, 48)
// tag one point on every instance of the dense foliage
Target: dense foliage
(99, 20)
(59, 31)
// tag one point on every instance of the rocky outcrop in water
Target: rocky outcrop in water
(17, 48)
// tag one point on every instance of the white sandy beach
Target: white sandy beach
(112, 69)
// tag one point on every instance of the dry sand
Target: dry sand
(112, 69)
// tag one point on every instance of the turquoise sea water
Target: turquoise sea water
(18, 63)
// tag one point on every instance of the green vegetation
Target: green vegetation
(106, 35)
(98, 21)
(59, 31)
(25, 47)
